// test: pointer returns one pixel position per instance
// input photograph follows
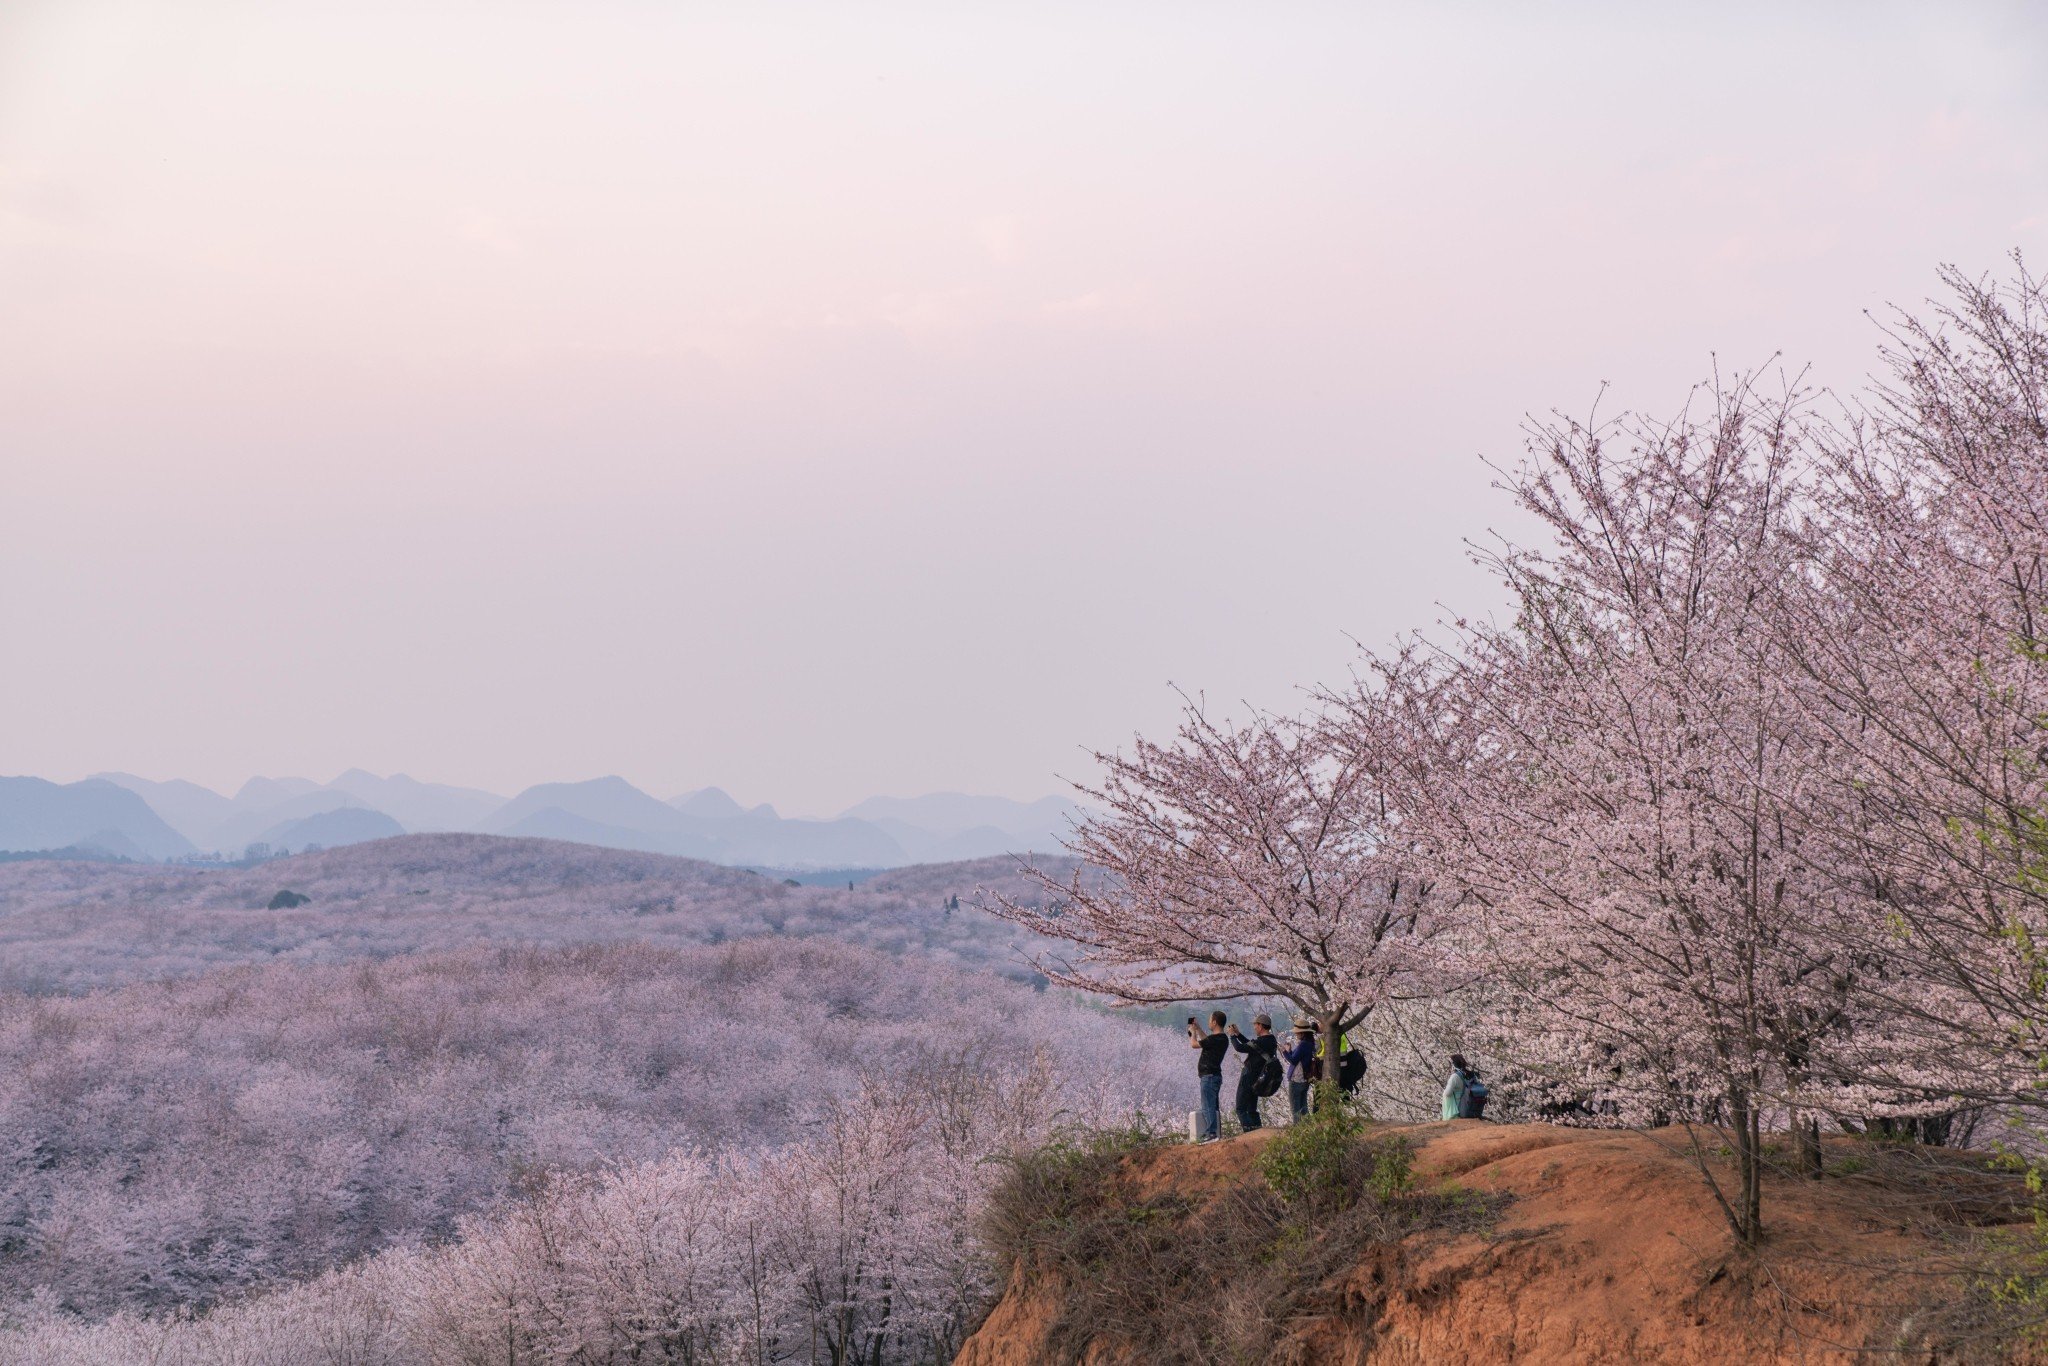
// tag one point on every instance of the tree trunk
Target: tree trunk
(1748, 1204)
(1806, 1132)
(1329, 1024)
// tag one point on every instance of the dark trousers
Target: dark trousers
(1212, 1104)
(1247, 1109)
(1297, 1098)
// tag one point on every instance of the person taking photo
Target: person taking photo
(1261, 1052)
(1209, 1071)
(1300, 1057)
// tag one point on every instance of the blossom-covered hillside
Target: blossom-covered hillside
(67, 926)
(166, 1143)
(446, 1066)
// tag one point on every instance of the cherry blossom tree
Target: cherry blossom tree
(1922, 651)
(1258, 860)
(1629, 801)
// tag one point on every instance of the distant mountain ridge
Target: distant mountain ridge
(952, 812)
(422, 808)
(93, 814)
(706, 824)
(191, 810)
(291, 813)
(252, 826)
(331, 830)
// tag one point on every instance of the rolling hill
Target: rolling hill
(70, 926)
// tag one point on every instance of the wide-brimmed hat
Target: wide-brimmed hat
(1304, 1027)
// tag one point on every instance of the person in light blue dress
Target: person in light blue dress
(1457, 1086)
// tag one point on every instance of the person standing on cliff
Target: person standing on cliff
(1261, 1051)
(1209, 1071)
(1300, 1056)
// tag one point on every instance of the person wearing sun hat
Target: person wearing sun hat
(1298, 1054)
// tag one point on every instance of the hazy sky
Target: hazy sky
(822, 400)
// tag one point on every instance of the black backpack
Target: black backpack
(1269, 1080)
(1475, 1097)
(1350, 1070)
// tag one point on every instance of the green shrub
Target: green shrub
(1306, 1162)
(1393, 1170)
(1325, 1163)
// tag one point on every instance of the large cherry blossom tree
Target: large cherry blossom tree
(1631, 802)
(1257, 860)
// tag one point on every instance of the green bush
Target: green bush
(1393, 1170)
(1305, 1163)
(1325, 1163)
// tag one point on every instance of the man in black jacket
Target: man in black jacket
(1261, 1051)
(1209, 1070)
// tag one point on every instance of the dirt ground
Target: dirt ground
(1611, 1249)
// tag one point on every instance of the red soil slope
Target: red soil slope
(1610, 1250)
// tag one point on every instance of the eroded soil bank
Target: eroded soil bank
(1608, 1248)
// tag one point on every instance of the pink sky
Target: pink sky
(874, 398)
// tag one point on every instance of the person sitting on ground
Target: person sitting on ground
(1464, 1093)
(1261, 1051)
(1300, 1055)
(1209, 1072)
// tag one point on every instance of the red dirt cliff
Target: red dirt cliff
(1609, 1249)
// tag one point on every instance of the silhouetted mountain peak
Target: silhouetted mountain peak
(712, 802)
(331, 829)
(38, 814)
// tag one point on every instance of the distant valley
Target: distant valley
(121, 816)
